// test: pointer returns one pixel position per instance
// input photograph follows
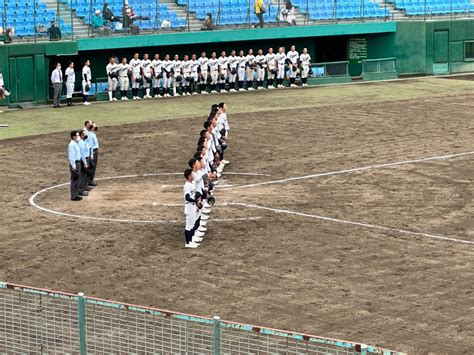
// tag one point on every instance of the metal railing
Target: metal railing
(37, 320)
(382, 65)
(331, 69)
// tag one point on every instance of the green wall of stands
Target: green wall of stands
(420, 48)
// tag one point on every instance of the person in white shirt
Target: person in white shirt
(272, 68)
(186, 70)
(292, 60)
(177, 75)
(223, 128)
(241, 65)
(280, 59)
(261, 62)
(70, 81)
(124, 73)
(167, 67)
(223, 66)
(86, 82)
(57, 81)
(214, 71)
(136, 65)
(305, 59)
(251, 66)
(194, 74)
(233, 62)
(147, 75)
(190, 209)
(112, 78)
(156, 65)
(203, 62)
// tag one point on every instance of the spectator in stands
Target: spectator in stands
(109, 15)
(9, 33)
(98, 23)
(54, 32)
(287, 14)
(208, 23)
(259, 9)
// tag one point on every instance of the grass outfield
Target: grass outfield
(47, 120)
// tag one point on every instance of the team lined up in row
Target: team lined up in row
(193, 75)
(83, 156)
(205, 169)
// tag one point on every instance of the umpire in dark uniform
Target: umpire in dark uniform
(74, 157)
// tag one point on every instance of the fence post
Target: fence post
(216, 336)
(81, 319)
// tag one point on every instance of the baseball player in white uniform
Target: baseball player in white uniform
(194, 74)
(305, 60)
(124, 72)
(293, 60)
(214, 72)
(86, 82)
(176, 75)
(136, 65)
(203, 62)
(190, 209)
(70, 80)
(186, 70)
(147, 75)
(272, 68)
(167, 66)
(112, 78)
(223, 67)
(261, 62)
(280, 58)
(233, 62)
(241, 65)
(157, 76)
(251, 66)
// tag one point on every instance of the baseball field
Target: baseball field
(346, 212)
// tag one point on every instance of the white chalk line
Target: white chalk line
(359, 224)
(345, 171)
(33, 203)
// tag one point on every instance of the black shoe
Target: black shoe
(92, 183)
(77, 198)
(85, 193)
(87, 189)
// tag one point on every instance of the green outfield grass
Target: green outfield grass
(47, 120)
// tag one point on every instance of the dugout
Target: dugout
(349, 51)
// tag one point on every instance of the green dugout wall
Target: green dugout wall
(420, 48)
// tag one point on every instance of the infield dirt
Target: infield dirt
(399, 291)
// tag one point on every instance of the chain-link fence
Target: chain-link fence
(43, 321)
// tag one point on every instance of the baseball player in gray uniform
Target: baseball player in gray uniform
(233, 63)
(147, 75)
(203, 62)
(214, 72)
(123, 76)
(250, 72)
(223, 67)
(167, 66)
(86, 82)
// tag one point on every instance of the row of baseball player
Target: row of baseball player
(191, 75)
(202, 176)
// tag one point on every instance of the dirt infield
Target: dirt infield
(408, 292)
